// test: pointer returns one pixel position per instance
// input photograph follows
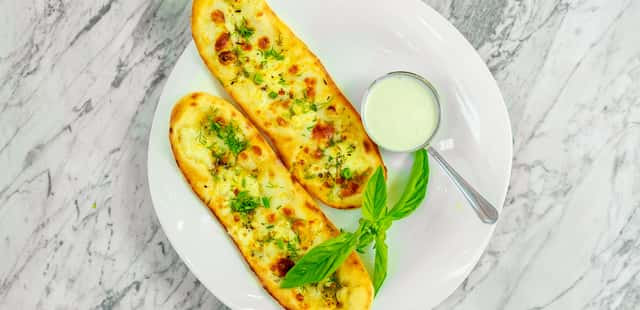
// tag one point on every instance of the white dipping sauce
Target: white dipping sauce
(400, 112)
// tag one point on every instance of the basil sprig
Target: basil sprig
(325, 258)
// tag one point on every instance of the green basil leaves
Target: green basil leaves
(323, 260)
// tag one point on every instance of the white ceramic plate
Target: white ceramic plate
(432, 251)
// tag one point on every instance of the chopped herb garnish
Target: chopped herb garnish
(266, 202)
(351, 148)
(304, 106)
(269, 238)
(323, 104)
(332, 141)
(281, 81)
(228, 133)
(346, 174)
(233, 142)
(293, 250)
(292, 112)
(244, 30)
(297, 238)
(258, 78)
(272, 53)
(273, 95)
(201, 138)
(280, 244)
(236, 50)
(244, 202)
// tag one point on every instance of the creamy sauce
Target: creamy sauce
(400, 113)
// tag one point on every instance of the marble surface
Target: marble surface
(79, 81)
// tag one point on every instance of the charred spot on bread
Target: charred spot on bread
(263, 43)
(246, 46)
(350, 189)
(221, 41)
(294, 69)
(282, 266)
(367, 146)
(322, 131)
(271, 217)
(256, 150)
(281, 121)
(287, 211)
(217, 16)
(226, 57)
(310, 92)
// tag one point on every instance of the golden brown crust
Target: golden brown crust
(290, 204)
(285, 136)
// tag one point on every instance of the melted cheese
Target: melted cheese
(287, 93)
(269, 216)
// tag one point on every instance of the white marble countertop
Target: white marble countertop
(79, 82)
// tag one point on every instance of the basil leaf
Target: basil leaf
(415, 189)
(375, 197)
(321, 261)
(380, 267)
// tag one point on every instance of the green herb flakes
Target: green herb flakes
(244, 202)
(244, 30)
(346, 174)
(272, 53)
(258, 78)
(266, 202)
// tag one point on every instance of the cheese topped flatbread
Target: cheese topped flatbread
(269, 216)
(287, 93)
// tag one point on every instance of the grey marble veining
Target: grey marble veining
(79, 81)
